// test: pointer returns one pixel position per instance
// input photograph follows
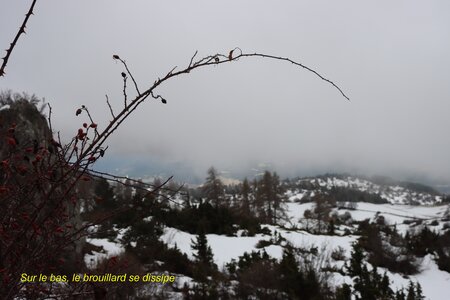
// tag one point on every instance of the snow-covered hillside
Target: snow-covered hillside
(395, 194)
(331, 251)
(435, 283)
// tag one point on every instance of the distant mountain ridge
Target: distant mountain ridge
(392, 191)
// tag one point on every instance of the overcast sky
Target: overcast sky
(391, 57)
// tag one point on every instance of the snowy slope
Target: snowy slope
(398, 212)
(435, 283)
(394, 194)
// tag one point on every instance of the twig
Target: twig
(50, 117)
(128, 71)
(125, 96)
(163, 100)
(135, 183)
(139, 185)
(192, 58)
(295, 63)
(171, 71)
(110, 107)
(14, 42)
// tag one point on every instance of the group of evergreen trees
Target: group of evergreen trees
(216, 208)
(262, 197)
(370, 285)
(262, 277)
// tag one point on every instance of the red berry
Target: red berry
(12, 142)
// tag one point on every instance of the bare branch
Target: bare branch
(14, 42)
(295, 63)
(171, 71)
(203, 62)
(134, 182)
(50, 117)
(149, 189)
(125, 96)
(128, 71)
(110, 107)
(163, 100)
(192, 58)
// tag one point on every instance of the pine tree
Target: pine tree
(344, 292)
(331, 227)
(259, 198)
(203, 257)
(411, 292)
(203, 253)
(276, 197)
(269, 196)
(356, 261)
(290, 276)
(419, 293)
(213, 188)
(267, 189)
(245, 191)
(386, 291)
(104, 194)
(400, 295)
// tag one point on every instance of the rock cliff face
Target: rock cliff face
(23, 126)
(30, 125)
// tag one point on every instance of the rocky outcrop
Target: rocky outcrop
(24, 132)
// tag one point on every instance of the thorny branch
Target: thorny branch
(148, 188)
(128, 71)
(110, 107)
(210, 60)
(297, 64)
(73, 161)
(16, 38)
(93, 148)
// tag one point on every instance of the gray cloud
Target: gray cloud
(390, 57)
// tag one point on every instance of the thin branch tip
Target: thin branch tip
(16, 38)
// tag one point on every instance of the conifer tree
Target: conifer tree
(419, 293)
(344, 292)
(267, 189)
(411, 292)
(213, 188)
(400, 295)
(204, 259)
(268, 197)
(386, 291)
(276, 197)
(203, 253)
(290, 276)
(245, 191)
(356, 261)
(104, 194)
